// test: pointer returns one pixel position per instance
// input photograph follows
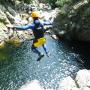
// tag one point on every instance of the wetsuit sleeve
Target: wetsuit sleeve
(29, 26)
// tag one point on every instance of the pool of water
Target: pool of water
(21, 65)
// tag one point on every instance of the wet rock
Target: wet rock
(26, 7)
(41, 5)
(54, 36)
(68, 84)
(33, 85)
(85, 88)
(3, 18)
(81, 3)
(2, 44)
(2, 7)
(83, 79)
(3, 34)
(10, 17)
(48, 89)
(11, 11)
(81, 82)
(14, 41)
(35, 2)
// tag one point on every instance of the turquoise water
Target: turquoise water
(21, 65)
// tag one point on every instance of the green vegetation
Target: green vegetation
(13, 1)
(26, 1)
(58, 3)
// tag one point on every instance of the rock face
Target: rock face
(8, 34)
(81, 82)
(21, 18)
(3, 17)
(75, 21)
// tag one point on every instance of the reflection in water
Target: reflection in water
(22, 66)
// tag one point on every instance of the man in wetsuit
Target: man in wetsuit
(38, 31)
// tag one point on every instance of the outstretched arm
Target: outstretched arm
(29, 26)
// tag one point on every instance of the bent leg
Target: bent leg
(45, 48)
(35, 50)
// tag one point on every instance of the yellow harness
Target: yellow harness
(40, 42)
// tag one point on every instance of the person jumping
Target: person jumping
(38, 30)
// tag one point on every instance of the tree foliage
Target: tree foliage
(60, 3)
(26, 1)
(52, 2)
(11, 1)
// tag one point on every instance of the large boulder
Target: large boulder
(33, 85)
(68, 84)
(80, 82)
(83, 79)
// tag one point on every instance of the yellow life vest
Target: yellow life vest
(40, 42)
